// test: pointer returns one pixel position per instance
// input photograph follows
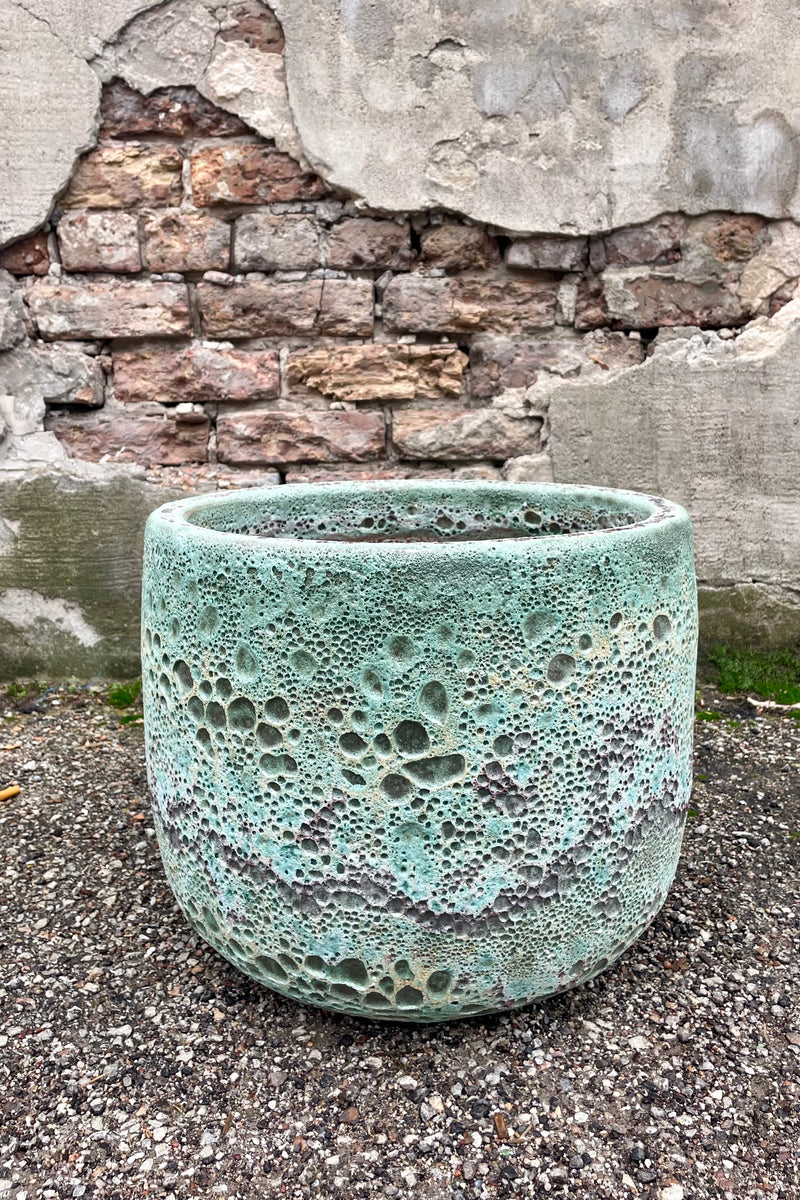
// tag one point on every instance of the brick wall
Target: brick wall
(204, 305)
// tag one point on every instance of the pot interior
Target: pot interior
(434, 513)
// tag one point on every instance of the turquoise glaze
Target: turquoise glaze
(419, 750)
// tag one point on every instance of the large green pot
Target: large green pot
(420, 750)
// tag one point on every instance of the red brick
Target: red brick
(88, 307)
(456, 304)
(250, 173)
(362, 243)
(256, 26)
(379, 372)
(99, 241)
(178, 111)
(175, 240)
(28, 256)
(249, 439)
(269, 308)
(457, 434)
(590, 303)
(126, 175)
(656, 241)
(198, 374)
(150, 440)
(648, 301)
(736, 238)
(266, 241)
(458, 247)
(498, 362)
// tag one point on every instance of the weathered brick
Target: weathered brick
(647, 301)
(250, 173)
(456, 434)
(175, 240)
(590, 302)
(197, 374)
(455, 304)
(12, 312)
(90, 307)
(53, 375)
(265, 241)
(458, 247)
(99, 241)
(656, 241)
(168, 440)
(28, 256)
(549, 252)
(126, 175)
(736, 238)
(269, 308)
(380, 372)
(362, 243)
(347, 308)
(498, 362)
(255, 25)
(248, 439)
(178, 111)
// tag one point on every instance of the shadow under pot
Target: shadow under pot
(419, 750)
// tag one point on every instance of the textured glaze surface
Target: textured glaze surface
(435, 775)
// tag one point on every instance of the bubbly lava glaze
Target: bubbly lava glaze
(419, 751)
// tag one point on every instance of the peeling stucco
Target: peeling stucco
(532, 116)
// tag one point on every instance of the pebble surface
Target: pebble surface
(136, 1062)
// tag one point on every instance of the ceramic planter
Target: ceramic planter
(419, 750)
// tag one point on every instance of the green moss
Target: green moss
(708, 714)
(771, 674)
(123, 695)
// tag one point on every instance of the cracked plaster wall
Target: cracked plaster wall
(534, 116)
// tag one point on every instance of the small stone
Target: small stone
(407, 1083)
(350, 1115)
(126, 175)
(219, 278)
(673, 1191)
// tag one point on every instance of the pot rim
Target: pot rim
(178, 514)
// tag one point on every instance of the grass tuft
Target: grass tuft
(123, 695)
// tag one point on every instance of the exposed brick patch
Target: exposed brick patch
(361, 243)
(736, 239)
(647, 301)
(177, 111)
(249, 439)
(455, 435)
(342, 307)
(657, 241)
(255, 25)
(250, 173)
(126, 175)
(169, 440)
(28, 256)
(176, 240)
(384, 372)
(91, 307)
(200, 374)
(453, 305)
(99, 241)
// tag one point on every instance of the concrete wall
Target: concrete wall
(331, 239)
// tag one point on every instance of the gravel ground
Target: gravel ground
(134, 1061)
